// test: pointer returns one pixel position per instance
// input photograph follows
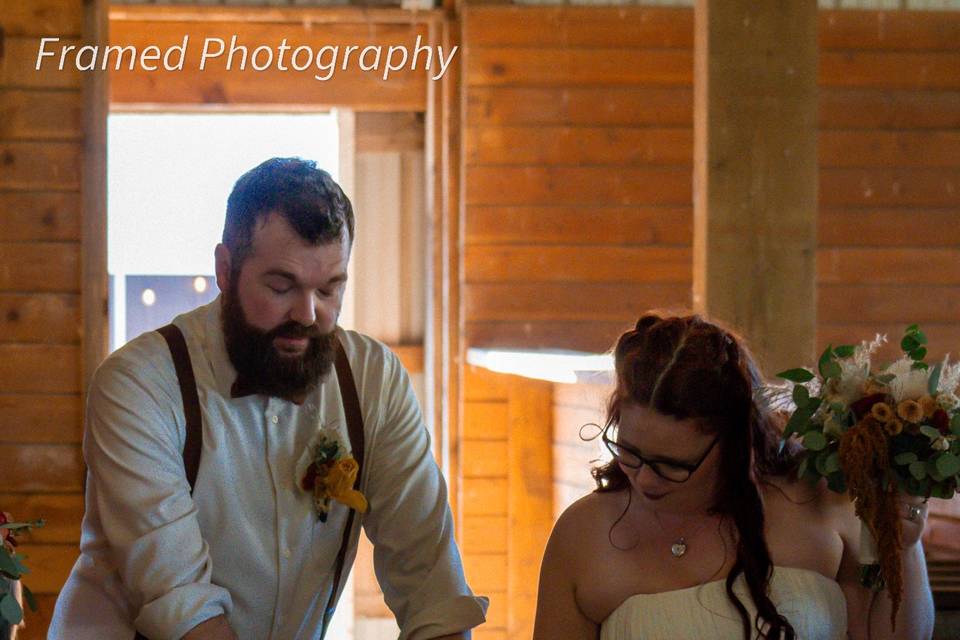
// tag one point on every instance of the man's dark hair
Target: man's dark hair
(307, 198)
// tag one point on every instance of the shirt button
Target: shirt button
(286, 552)
(274, 419)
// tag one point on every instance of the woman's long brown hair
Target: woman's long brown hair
(686, 367)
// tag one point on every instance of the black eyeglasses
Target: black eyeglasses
(670, 470)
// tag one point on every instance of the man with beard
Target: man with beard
(239, 544)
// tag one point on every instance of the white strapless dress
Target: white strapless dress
(813, 603)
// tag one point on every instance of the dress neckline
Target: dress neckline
(776, 568)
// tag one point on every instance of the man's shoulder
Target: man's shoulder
(368, 353)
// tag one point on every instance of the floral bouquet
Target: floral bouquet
(11, 568)
(873, 431)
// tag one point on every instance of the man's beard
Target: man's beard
(258, 361)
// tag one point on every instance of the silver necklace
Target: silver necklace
(679, 547)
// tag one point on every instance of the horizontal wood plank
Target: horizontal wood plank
(511, 145)
(888, 228)
(19, 60)
(858, 108)
(40, 266)
(572, 464)
(571, 225)
(484, 497)
(936, 187)
(40, 317)
(483, 385)
(889, 30)
(61, 512)
(39, 368)
(571, 26)
(484, 535)
(41, 18)
(40, 418)
(888, 266)
(570, 301)
(629, 106)
(594, 186)
(593, 336)
(403, 90)
(890, 69)
(483, 458)
(389, 132)
(531, 263)
(551, 66)
(42, 468)
(53, 166)
(888, 303)
(53, 115)
(485, 421)
(889, 148)
(39, 216)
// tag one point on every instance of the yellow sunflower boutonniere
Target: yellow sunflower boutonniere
(328, 472)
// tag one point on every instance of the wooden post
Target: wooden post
(755, 173)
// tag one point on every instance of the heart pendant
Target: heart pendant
(678, 548)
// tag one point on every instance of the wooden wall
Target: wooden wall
(41, 140)
(578, 151)
(506, 501)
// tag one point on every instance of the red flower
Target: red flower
(862, 406)
(941, 421)
(309, 478)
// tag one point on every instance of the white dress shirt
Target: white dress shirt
(247, 543)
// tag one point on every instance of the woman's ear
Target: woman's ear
(221, 257)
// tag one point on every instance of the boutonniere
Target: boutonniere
(327, 471)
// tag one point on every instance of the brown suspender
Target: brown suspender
(193, 444)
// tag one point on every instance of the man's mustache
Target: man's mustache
(295, 330)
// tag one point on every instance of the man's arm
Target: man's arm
(138, 490)
(416, 558)
(213, 629)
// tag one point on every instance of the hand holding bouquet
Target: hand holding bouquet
(876, 432)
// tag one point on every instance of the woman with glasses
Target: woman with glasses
(697, 528)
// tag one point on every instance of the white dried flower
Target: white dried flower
(948, 401)
(940, 444)
(908, 383)
(949, 377)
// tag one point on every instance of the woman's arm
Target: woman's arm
(868, 612)
(558, 615)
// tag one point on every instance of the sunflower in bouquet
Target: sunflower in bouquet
(873, 431)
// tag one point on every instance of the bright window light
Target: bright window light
(555, 367)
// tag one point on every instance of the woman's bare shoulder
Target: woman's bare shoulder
(808, 500)
(591, 513)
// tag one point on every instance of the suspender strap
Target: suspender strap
(351, 409)
(191, 401)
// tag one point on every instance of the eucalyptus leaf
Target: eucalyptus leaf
(941, 491)
(801, 397)
(844, 351)
(913, 328)
(7, 565)
(825, 359)
(886, 378)
(802, 469)
(29, 598)
(837, 483)
(948, 464)
(796, 375)
(814, 441)
(905, 458)
(918, 470)
(934, 381)
(920, 336)
(934, 472)
(831, 370)
(909, 343)
(919, 366)
(955, 425)
(832, 463)
(930, 432)
(919, 353)
(10, 609)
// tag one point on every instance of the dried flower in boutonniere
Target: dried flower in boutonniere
(328, 471)
(11, 568)
(875, 431)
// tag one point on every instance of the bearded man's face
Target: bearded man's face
(280, 307)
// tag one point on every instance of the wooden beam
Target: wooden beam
(755, 173)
